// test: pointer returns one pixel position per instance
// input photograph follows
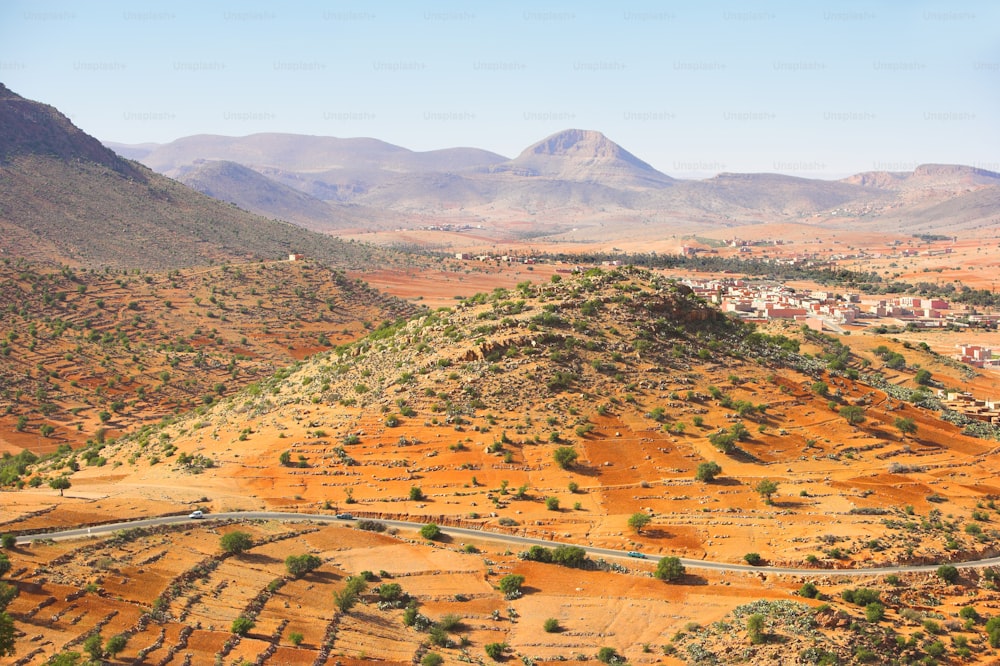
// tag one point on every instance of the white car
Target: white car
(196, 514)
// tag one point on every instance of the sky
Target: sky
(814, 89)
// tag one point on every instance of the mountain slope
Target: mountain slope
(949, 177)
(35, 129)
(574, 178)
(584, 155)
(641, 380)
(107, 339)
(229, 181)
(301, 153)
(66, 198)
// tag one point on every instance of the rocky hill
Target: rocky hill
(613, 409)
(947, 177)
(635, 377)
(105, 352)
(582, 155)
(66, 198)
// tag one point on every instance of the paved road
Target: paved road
(509, 539)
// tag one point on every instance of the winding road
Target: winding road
(510, 539)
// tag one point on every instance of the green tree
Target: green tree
(993, 631)
(853, 414)
(569, 556)
(235, 542)
(4, 564)
(707, 471)
(7, 635)
(242, 625)
(905, 426)
(450, 622)
(299, 565)
(60, 483)
(416, 494)
(296, 638)
(46, 430)
(755, 628)
(820, 389)
(432, 659)
(753, 559)
(430, 531)
(346, 598)
(723, 440)
(285, 458)
(551, 625)
(115, 645)
(495, 650)
(552, 503)
(565, 456)
(669, 568)
(638, 520)
(874, 612)
(8, 541)
(922, 377)
(948, 573)
(64, 659)
(511, 584)
(7, 595)
(94, 647)
(766, 489)
(390, 591)
(608, 655)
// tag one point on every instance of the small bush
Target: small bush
(809, 590)
(432, 659)
(242, 625)
(430, 531)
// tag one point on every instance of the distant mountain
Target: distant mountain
(254, 191)
(928, 176)
(569, 177)
(66, 198)
(584, 156)
(132, 151)
(313, 154)
(772, 193)
(235, 183)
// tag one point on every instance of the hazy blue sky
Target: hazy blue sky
(816, 89)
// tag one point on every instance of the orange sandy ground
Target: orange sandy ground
(627, 465)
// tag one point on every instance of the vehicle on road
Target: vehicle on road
(345, 516)
(635, 553)
(196, 514)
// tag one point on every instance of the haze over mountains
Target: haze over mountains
(574, 178)
(65, 197)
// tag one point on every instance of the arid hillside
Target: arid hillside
(96, 353)
(610, 409)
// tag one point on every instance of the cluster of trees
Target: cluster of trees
(345, 598)
(725, 440)
(299, 565)
(567, 556)
(7, 594)
(892, 360)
